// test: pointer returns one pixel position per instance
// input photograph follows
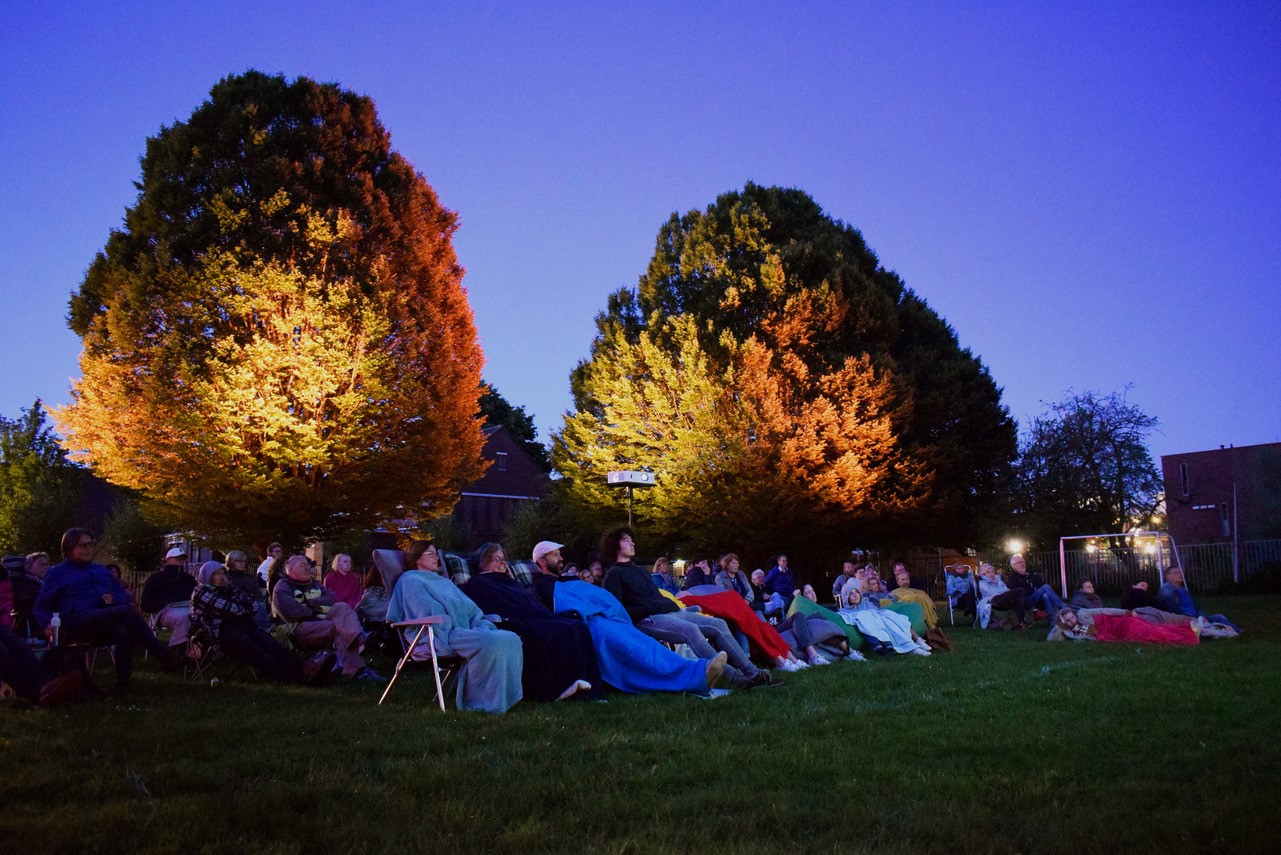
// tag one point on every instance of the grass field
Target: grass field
(1008, 744)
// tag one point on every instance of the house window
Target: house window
(500, 461)
(1183, 478)
(1227, 523)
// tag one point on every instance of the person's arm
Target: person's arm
(286, 606)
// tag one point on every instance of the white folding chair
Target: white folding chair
(423, 623)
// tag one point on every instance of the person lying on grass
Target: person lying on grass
(888, 632)
(490, 678)
(629, 660)
(559, 659)
(1123, 625)
(224, 615)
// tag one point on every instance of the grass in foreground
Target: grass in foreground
(1009, 744)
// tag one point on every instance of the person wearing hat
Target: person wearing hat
(550, 562)
(167, 595)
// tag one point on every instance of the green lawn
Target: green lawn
(1008, 744)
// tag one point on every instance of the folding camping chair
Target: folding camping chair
(439, 665)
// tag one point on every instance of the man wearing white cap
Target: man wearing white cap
(167, 593)
(549, 561)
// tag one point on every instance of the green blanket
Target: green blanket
(808, 607)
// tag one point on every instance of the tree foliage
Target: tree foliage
(497, 410)
(785, 387)
(277, 343)
(40, 489)
(1084, 468)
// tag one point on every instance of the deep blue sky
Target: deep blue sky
(1089, 193)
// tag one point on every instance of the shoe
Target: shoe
(317, 668)
(716, 667)
(368, 675)
(801, 664)
(883, 649)
(358, 643)
(60, 690)
(576, 687)
(855, 656)
(789, 666)
(763, 678)
(919, 652)
(820, 659)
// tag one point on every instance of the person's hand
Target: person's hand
(48, 634)
(106, 599)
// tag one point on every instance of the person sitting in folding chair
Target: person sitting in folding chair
(95, 609)
(167, 595)
(490, 678)
(224, 614)
(905, 593)
(994, 595)
(317, 621)
(1036, 593)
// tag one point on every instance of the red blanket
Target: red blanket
(735, 611)
(1130, 628)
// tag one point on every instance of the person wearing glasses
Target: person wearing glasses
(95, 609)
(490, 678)
(559, 659)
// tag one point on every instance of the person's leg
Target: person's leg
(716, 631)
(346, 627)
(245, 643)
(175, 617)
(19, 666)
(670, 629)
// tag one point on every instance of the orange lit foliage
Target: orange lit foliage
(278, 343)
(769, 371)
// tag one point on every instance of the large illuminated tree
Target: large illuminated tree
(784, 386)
(277, 342)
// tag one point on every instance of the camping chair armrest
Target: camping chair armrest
(434, 620)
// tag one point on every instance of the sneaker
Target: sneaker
(855, 656)
(801, 664)
(358, 643)
(790, 666)
(716, 667)
(575, 688)
(883, 649)
(919, 652)
(820, 659)
(368, 675)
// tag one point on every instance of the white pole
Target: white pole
(1063, 568)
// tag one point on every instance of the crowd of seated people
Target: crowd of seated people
(542, 634)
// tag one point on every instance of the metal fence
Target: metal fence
(1207, 567)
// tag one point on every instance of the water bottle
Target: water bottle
(56, 623)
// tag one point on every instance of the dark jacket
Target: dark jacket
(169, 584)
(71, 587)
(636, 591)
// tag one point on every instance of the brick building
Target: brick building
(512, 479)
(1225, 494)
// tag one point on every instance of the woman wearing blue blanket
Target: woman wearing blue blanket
(489, 680)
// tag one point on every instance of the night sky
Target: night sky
(1089, 193)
